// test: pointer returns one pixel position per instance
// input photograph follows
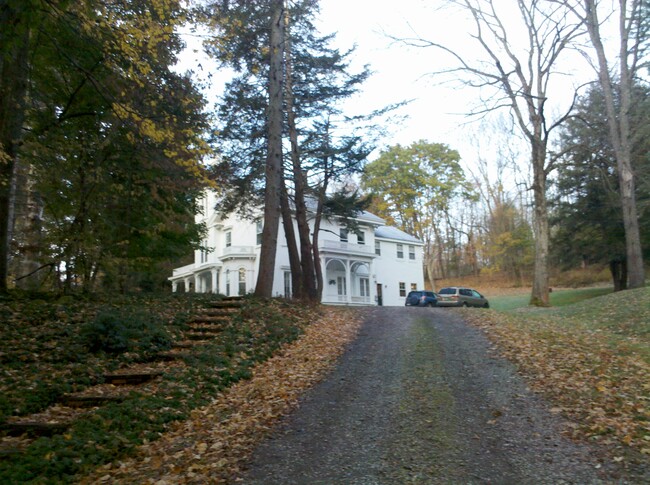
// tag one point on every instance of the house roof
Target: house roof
(370, 217)
(390, 232)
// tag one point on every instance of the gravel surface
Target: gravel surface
(420, 398)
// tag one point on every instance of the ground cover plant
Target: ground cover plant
(592, 359)
(56, 347)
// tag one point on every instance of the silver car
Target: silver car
(459, 296)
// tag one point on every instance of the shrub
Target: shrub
(122, 330)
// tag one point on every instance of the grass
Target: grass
(590, 355)
(45, 353)
(558, 298)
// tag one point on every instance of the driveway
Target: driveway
(420, 398)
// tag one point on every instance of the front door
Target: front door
(379, 298)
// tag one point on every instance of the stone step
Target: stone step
(120, 379)
(88, 401)
(34, 428)
(201, 336)
(209, 328)
(170, 355)
(227, 304)
(214, 320)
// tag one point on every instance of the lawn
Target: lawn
(562, 297)
(590, 355)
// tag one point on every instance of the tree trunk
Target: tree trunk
(13, 88)
(306, 257)
(618, 269)
(318, 269)
(290, 236)
(25, 263)
(619, 129)
(540, 293)
(273, 172)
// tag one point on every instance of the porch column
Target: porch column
(372, 282)
(174, 286)
(215, 284)
(348, 285)
(187, 285)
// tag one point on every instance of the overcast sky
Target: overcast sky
(437, 112)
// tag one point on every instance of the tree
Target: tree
(316, 78)
(16, 24)
(413, 188)
(632, 38)
(111, 137)
(520, 72)
(588, 228)
(273, 173)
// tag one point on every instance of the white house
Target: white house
(378, 265)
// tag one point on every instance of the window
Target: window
(411, 252)
(287, 284)
(364, 287)
(361, 238)
(260, 228)
(402, 288)
(400, 251)
(341, 286)
(343, 235)
(228, 239)
(414, 286)
(377, 248)
(242, 281)
(204, 252)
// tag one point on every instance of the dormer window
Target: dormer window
(228, 239)
(343, 235)
(361, 238)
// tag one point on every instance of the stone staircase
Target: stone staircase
(206, 326)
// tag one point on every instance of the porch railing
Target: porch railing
(347, 248)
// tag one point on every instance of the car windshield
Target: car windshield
(447, 291)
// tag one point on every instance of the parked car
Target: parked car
(421, 298)
(458, 296)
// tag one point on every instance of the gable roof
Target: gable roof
(390, 232)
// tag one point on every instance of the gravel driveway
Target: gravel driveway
(420, 398)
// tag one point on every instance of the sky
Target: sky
(437, 112)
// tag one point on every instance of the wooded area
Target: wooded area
(104, 146)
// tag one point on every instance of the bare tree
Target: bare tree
(632, 37)
(520, 72)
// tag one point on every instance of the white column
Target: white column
(215, 286)
(187, 285)
(348, 282)
(174, 287)
(372, 282)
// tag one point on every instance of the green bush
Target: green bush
(116, 331)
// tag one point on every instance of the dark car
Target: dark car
(458, 296)
(421, 298)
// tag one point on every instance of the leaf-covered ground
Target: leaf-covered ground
(215, 441)
(592, 360)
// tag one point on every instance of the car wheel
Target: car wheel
(430, 305)
(464, 305)
(487, 305)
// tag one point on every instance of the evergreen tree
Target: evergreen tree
(588, 228)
